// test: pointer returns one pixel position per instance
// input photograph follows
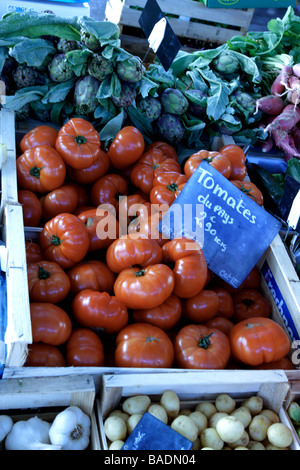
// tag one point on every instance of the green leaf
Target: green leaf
(105, 31)
(3, 57)
(110, 130)
(24, 96)
(78, 61)
(217, 100)
(33, 52)
(59, 92)
(139, 121)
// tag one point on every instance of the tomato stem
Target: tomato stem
(150, 339)
(140, 273)
(55, 240)
(204, 342)
(172, 187)
(35, 171)
(208, 159)
(248, 302)
(79, 139)
(43, 274)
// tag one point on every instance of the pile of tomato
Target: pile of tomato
(106, 288)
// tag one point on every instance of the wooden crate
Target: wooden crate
(294, 395)
(194, 387)
(202, 24)
(9, 189)
(45, 397)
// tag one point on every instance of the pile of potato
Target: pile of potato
(222, 424)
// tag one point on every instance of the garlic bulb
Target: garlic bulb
(6, 423)
(32, 434)
(71, 429)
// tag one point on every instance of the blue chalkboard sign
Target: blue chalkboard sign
(233, 230)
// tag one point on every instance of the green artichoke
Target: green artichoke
(126, 97)
(64, 46)
(197, 107)
(226, 63)
(169, 128)
(150, 108)
(89, 40)
(173, 101)
(24, 76)
(100, 67)
(130, 70)
(59, 69)
(245, 100)
(85, 95)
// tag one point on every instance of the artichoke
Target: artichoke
(64, 46)
(130, 70)
(85, 95)
(23, 113)
(245, 100)
(89, 40)
(59, 69)
(150, 108)
(226, 63)
(24, 76)
(173, 101)
(100, 67)
(197, 108)
(126, 97)
(169, 128)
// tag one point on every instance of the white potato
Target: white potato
(210, 438)
(136, 404)
(258, 427)
(271, 447)
(133, 421)
(240, 448)
(255, 404)
(185, 426)
(230, 429)
(196, 444)
(116, 445)
(115, 428)
(255, 445)
(215, 418)
(199, 419)
(243, 414)
(171, 403)
(185, 412)
(273, 417)
(242, 441)
(280, 435)
(224, 403)
(159, 412)
(121, 414)
(207, 408)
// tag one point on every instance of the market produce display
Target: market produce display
(224, 423)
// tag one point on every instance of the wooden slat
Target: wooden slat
(9, 191)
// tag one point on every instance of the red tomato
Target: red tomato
(201, 307)
(40, 135)
(126, 252)
(108, 189)
(145, 225)
(253, 279)
(221, 323)
(215, 159)
(250, 189)
(34, 252)
(44, 355)
(258, 340)
(65, 239)
(127, 147)
(130, 208)
(95, 171)
(143, 345)
(166, 149)
(83, 194)
(63, 199)
(31, 206)
(47, 282)
(102, 227)
(225, 302)
(188, 265)
(50, 324)
(165, 316)
(78, 143)
(248, 303)
(144, 287)
(283, 364)
(84, 349)
(91, 274)
(166, 188)
(99, 310)
(199, 347)
(236, 156)
(40, 169)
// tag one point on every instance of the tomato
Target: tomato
(201, 307)
(83, 194)
(188, 265)
(95, 309)
(166, 188)
(127, 252)
(40, 169)
(215, 159)
(95, 171)
(78, 143)
(164, 316)
(34, 252)
(47, 282)
(250, 189)
(258, 340)
(146, 225)
(127, 147)
(283, 364)
(108, 189)
(130, 208)
(236, 156)
(221, 323)
(102, 227)
(50, 324)
(91, 274)
(44, 355)
(63, 199)
(31, 207)
(143, 345)
(151, 163)
(166, 149)
(40, 135)
(249, 303)
(84, 349)
(144, 287)
(65, 239)
(200, 347)
(225, 302)
(253, 279)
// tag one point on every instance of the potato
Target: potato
(210, 438)
(207, 448)
(159, 412)
(199, 419)
(230, 429)
(185, 412)
(271, 447)
(273, 417)
(207, 408)
(243, 414)
(133, 421)
(136, 404)
(258, 427)
(185, 426)
(215, 418)
(242, 441)
(280, 435)
(171, 403)
(224, 403)
(255, 404)
(196, 444)
(240, 448)
(115, 428)
(121, 414)
(116, 445)
(255, 445)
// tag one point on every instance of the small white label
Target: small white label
(157, 34)
(294, 215)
